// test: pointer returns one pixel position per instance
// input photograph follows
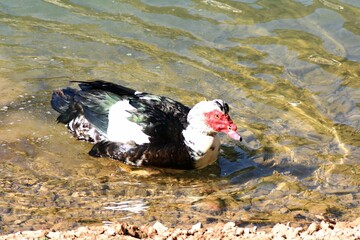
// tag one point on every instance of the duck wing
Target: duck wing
(165, 104)
(160, 118)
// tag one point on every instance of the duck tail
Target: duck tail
(62, 100)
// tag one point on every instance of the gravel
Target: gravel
(325, 229)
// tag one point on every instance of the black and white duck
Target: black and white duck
(143, 129)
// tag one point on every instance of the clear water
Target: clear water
(289, 70)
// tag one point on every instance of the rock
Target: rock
(279, 229)
(326, 225)
(313, 228)
(160, 228)
(54, 235)
(80, 231)
(36, 234)
(149, 230)
(127, 230)
(110, 232)
(239, 231)
(195, 228)
(177, 232)
(229, 225)
(298, 230)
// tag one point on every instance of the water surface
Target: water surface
(288, 69)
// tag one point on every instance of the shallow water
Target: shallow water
(289, 70)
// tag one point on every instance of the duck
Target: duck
(143, 129)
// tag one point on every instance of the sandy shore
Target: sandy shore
(325, 229)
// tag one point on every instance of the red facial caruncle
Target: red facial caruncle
(221, 122)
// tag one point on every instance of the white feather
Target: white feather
(202, 139)
(150, 97)
(205, 148)
(197, 141)
(120, 129)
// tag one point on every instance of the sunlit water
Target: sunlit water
(289, 70)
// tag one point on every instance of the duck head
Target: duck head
(210, 117)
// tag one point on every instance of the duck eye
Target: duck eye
(229, 127)
(217, 116)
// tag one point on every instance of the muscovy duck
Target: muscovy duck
(143, 129)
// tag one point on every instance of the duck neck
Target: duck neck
(203, 148)
(198, 141)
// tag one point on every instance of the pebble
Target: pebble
(316, 230)
(197, 226)
(279, 228)
(111, 232)
(151, 231)
(239, 231)
(313, 228)
(229, 225)
(54, 235)
(160, 228)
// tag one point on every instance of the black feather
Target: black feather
(161, 118)
(61, 99)
(224, 107)
(105, 86)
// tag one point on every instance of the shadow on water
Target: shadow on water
(248, 165)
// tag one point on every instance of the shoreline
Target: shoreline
(325, 229)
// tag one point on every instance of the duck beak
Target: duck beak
(234, 135)
(231, 131)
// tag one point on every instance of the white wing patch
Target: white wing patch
(120, 129)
